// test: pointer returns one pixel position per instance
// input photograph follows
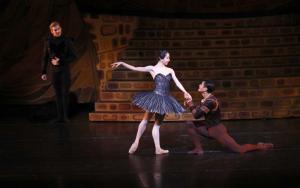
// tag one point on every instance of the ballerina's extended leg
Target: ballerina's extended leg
(141, 130)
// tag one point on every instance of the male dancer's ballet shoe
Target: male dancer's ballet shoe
(265, 146)
(196, 151)
(133, 148)
(161, 151)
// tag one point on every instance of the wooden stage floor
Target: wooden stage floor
(82, 154)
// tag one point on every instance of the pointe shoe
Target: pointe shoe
(196, 152)
(265, 146)
(161, 151)
(133, 148)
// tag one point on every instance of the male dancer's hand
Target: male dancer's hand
(44, 77)
(55, 61)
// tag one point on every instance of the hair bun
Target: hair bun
(162, 54)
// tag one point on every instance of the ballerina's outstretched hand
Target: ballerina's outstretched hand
(116, 65)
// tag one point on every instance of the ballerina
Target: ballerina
(157, 102)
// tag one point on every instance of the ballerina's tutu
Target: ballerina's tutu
(159, 100)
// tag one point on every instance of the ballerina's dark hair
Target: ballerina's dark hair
(162, 54)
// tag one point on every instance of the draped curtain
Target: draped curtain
(23, 30)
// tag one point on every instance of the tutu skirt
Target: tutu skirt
(156, 103)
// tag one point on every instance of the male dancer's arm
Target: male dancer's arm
(70, 55)
(201, 109)
(45, 60)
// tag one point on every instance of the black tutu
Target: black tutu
(158, 101)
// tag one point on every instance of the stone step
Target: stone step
(228, 73)
(257, 114)
(264, 22)
(187, 33)
(194, 63)
(249, 83)
(213, 43)
(121, 96)
(136, 116)
(226, 105)
(201, 54)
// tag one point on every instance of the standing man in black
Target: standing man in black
(59, 53)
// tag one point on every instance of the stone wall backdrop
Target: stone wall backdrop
(254, 61)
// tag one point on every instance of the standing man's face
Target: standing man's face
(56, 31)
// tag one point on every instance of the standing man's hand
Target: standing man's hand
(44, 77)
(55, 61)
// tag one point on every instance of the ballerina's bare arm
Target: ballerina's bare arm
(133, 68)
(179, 85)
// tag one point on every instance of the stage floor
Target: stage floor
(82, 154)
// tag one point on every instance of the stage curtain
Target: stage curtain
(23, 30)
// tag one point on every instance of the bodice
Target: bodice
(162, 84)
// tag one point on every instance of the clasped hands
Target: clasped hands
(187, 99)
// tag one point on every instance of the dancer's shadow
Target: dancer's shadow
(59, 133)
(63, 134)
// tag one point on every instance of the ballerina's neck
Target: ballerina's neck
(160, 64)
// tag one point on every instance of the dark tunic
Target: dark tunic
(209, 109)
(60, 47)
